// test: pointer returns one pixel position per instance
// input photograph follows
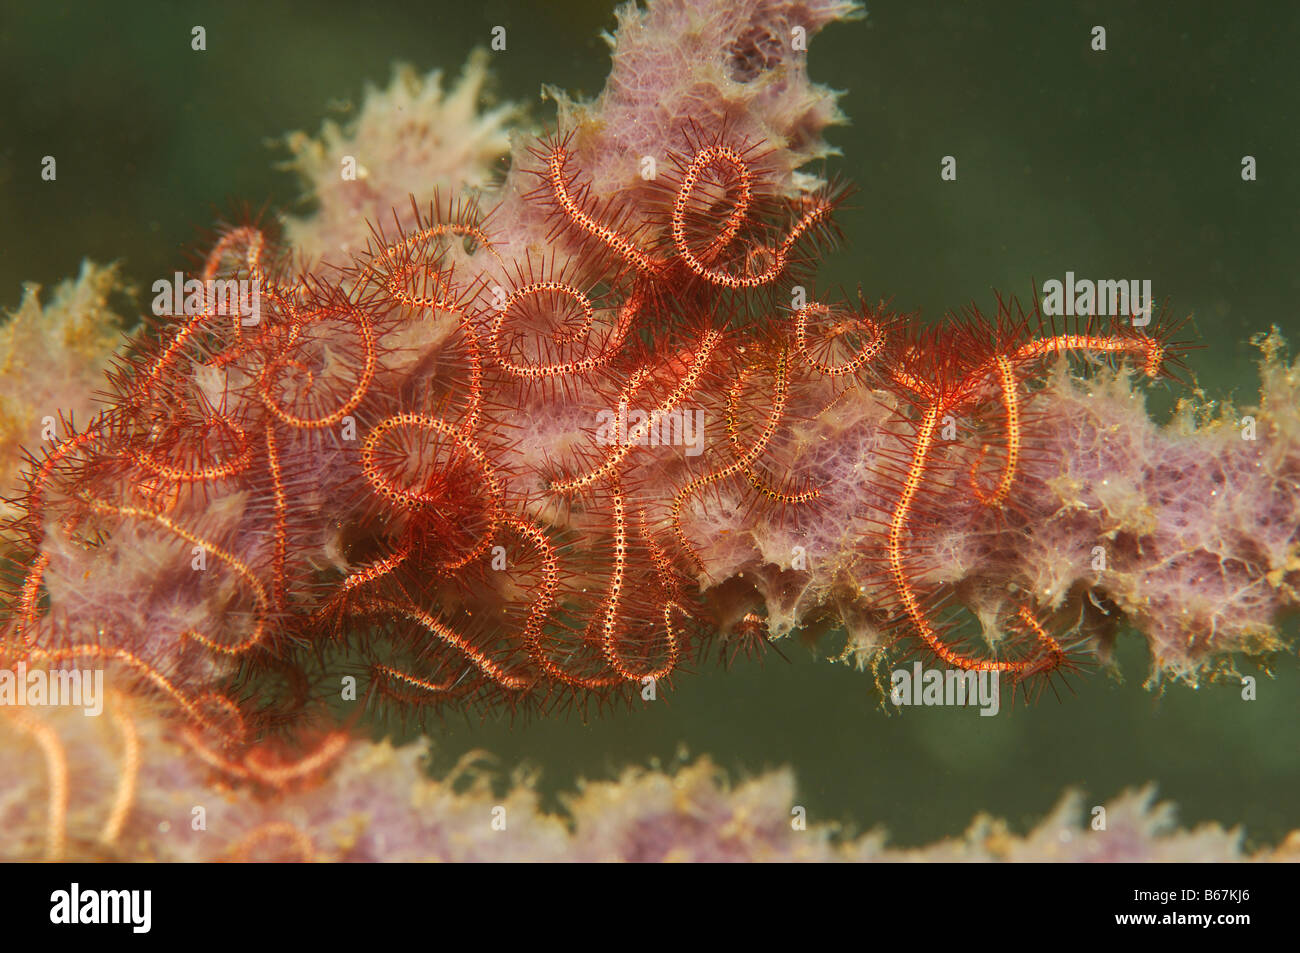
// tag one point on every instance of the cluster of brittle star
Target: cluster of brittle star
(393, 407)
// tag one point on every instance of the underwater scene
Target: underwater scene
(764, 430)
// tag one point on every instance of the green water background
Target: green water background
(1117, 164)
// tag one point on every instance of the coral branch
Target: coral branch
(540, 447)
